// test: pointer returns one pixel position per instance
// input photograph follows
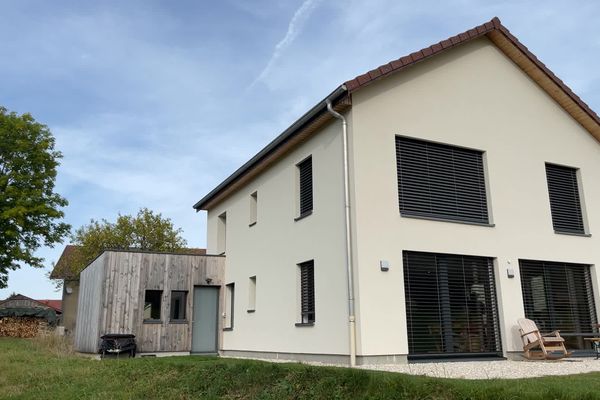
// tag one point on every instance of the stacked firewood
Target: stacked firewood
(22, 327)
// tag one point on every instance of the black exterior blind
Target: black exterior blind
(306, 186)
(307, 291)
(559, 296)
(564, 199)
(451, 305)
(440, 181)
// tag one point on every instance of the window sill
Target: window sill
(304, 324)
(250, 311)
(302, 216)
(152, 321)
(227, 329)
(178, 321)
(573, 234)
(440, 219)
(251, 224)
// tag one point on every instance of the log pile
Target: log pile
(22, 327)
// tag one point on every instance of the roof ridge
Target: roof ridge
(480, 30)
(420, 55)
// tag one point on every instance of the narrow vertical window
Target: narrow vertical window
(152, 305)
(307, 292)
(221, 233)
(305, 187)
(229, 301)
(565, 202)
(252, 294)
(178, 303)
(253, 208)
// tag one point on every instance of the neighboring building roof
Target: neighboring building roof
(318, 116)
(56, 305)
(63, 270)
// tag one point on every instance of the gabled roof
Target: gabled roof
(318, 116)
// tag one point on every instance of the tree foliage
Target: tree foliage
(145, 231)
(30, 210)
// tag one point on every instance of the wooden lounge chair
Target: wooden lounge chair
(536, 346)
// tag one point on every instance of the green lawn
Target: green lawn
(34, 369)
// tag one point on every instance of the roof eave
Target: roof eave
(282, 138)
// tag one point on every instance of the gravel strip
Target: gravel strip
(501, 369)
(492, 369)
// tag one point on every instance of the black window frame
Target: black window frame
(565, 198)
(447, 295)
(441, 182)
(555, 297)
(183, 302)
(152, 303)
(305, 188)
(307, 293)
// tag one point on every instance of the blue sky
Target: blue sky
(154, 103)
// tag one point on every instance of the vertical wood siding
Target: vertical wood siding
(90, 306)
(129, 275)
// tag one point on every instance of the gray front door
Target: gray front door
(204, 323)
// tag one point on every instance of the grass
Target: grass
(48, 369)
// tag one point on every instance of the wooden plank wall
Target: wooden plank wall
(130, 274)
(90, 305)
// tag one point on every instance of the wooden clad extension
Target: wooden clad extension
(112, 294)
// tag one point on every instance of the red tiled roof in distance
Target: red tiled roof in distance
(55, 304)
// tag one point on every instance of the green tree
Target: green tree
(30, 210)
(145, 231)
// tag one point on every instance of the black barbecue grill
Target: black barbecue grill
(117, 343)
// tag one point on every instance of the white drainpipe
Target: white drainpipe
(350, 276)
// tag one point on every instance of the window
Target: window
(559, 296)
(565, 203)
(451, 305)
(229, 300)
(178, 303)
(305, 187)
(152, 302)
(253, 208)
(252, 294)
(440, 181)
(307, 292)
(221, 233)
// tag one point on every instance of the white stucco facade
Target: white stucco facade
(472, 96)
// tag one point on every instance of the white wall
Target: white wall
(472, 96)
(272, 248)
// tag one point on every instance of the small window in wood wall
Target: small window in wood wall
(252, 294)
(253, 208)
(178, 302)
(152, 305)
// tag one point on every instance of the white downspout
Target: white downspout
(350, 276)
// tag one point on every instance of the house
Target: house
(22, 316)
(65, 270)
(169, 301)
(439, 198)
